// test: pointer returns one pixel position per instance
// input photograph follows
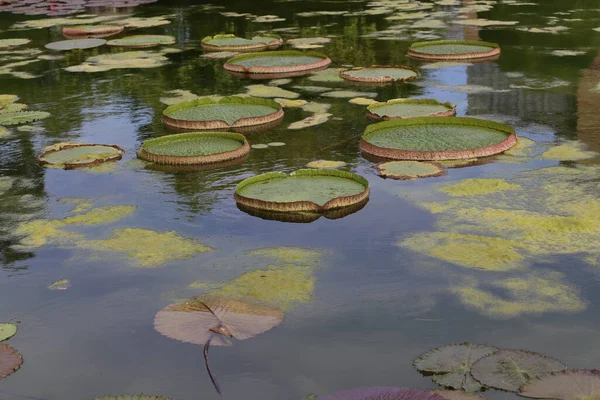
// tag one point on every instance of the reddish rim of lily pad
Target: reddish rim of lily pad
(491, 54)
(65, 146)
(100, 31)
(279, 71)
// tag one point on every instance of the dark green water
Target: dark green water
(375, 306)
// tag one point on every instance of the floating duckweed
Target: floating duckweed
(474, 187)
(569, 151)
(523, 147)
(38, 233)
(265, 91)
(470, 251)
(79, 204)
(325, 164)
(101, 215)
(278, 286)
(534, 294)
(149, 248)
(289, 255)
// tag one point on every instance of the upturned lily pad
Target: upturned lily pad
(564, 385)
(9, 43)
(380, 74)
(278, 64)
(7, 331)
(194, 148)
(453, 50)
(75, 44)
(436, 138)
(382, 393)
(304, 190)
(132, 397)
(409, 169)
(452, 364)
(139, 41)
(22, 117)
(77, 155)
(225, 113)
(10, 360)
(205, 317)
(233, 43)
(410, 108)
(100, 30)
(509, 369)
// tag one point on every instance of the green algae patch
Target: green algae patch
(289, 255)
(101, 215)
(277, 286)
(80, 204)
(569, 151)
(469, 251)
(475, 187)
(37, 233)
(535, 293)
(146, 247)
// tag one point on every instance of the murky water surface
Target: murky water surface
(511, 261)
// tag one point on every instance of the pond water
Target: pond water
(503, 251)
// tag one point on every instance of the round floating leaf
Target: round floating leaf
(77, 155)
(7, 331)
(22, 117)
(410, 108)
(382, 393)
(457, 395)
(75, 44)
(233, 43)
(197, 320)
(312, 190)
(452, 364)
(276, 144)
(142, 41)
(564, 385)
(325, 164)
(509, 369)
(409, 169)
(379, 74)
(8, 43)
(128, 59)
(224, 113)
(453, 50)
(194, 148)
(92, 30)
(132, 397)
(437, 138)
(10, 360)
(277, 64)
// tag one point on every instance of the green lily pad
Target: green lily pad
(380, 74)
(10, 360)
(509, 369)
(92, 30)
(325, 164)
(453, 50)
(452, 364)
(194, 148)
(8, 43)
(410, 108)
(128, 59)
(409, 169)
(260, 146)
(303, 190)
(564, 385)
(74, 155)
(277, 62)
(75, 44)
(7, 331)
(437, 138)
(142, 41)
(22, 117)
(230, 42)
(276, 144)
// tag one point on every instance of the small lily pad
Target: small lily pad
(75, 155)
(76, 44)
(564, 385)
(409, 169)
(7, 331)
(452, 364)
(509, 369)
(10, 360)
(9, 43)
(276, 144)
(62, 284)
(259, 146)
(22, 117)
(325, 164)
(139, 41)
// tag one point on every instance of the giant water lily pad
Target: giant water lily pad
(128, 59)
(308, 43)
(75, 44)
(410, 108)
(224, 113)
(409, 169)
(139, 41)
(233, 43)
(78, 155)
(22, 117)
(437, 138)
(380, 74)
(509, 369)
(10, 43)
(7, 331)
(276, 64)
(99, 30)
(195, 148)
(10, 360)
(382, 393)
(453, 50)
(205, 317)
(451, 364)
(564, 385)
(310, 190)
